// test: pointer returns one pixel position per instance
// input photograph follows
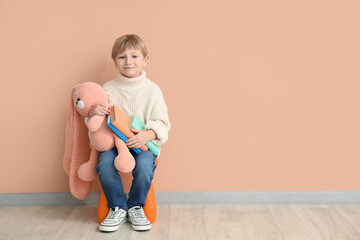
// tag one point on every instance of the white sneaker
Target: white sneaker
(138, 219)
(113, 220)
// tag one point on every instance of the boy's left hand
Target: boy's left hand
(141, 138)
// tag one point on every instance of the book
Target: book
(120, 134)
(137, 123)
(121, 122)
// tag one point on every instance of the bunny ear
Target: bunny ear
(69, 136)
(77, 151)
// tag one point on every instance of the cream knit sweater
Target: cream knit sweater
(144, 98)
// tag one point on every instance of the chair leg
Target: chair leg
(103, 210)
(150, 205)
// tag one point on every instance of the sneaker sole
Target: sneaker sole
(141, 227)
(111, 228)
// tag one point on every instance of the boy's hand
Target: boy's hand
(141, 138)
(100, 110)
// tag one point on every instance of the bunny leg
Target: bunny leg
(124, 162)
(87, 171)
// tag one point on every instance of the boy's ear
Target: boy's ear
(146, 59)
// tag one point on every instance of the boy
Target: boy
(133, 93)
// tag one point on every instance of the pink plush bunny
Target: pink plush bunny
(81, 167)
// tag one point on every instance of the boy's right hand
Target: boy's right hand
(100, 110)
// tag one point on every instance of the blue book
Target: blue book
(120, 134)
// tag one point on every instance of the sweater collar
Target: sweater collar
(132, 82)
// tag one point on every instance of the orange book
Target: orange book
(122, 122)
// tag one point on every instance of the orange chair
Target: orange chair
(149, 208)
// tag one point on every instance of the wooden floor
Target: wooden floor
(328, 222)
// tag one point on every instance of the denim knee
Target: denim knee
(145, 166)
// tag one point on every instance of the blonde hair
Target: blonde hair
(128, 41)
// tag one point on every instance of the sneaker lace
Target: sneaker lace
(113, 213)
(138, 213)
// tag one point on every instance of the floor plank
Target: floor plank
(80, 224)
(351, 212)
(187, 222)
(243, 222)
(293, 222)
(221, 222)
(329, 222)
(46, 223)
(258, 222)
(15, 219)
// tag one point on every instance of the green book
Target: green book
(137, 123)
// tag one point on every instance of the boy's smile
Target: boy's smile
(130, 62)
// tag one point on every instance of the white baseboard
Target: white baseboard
(206, 197)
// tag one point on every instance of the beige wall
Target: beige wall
(262, 95)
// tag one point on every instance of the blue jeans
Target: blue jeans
(111, 182)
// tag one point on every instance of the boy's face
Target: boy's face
(130, 62)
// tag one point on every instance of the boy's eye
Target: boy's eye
(135, 56)
(121, 57)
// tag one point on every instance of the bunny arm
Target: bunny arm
(124, 162)
(87, 171)
(95, 122)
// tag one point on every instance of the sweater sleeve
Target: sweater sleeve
(159, 120)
